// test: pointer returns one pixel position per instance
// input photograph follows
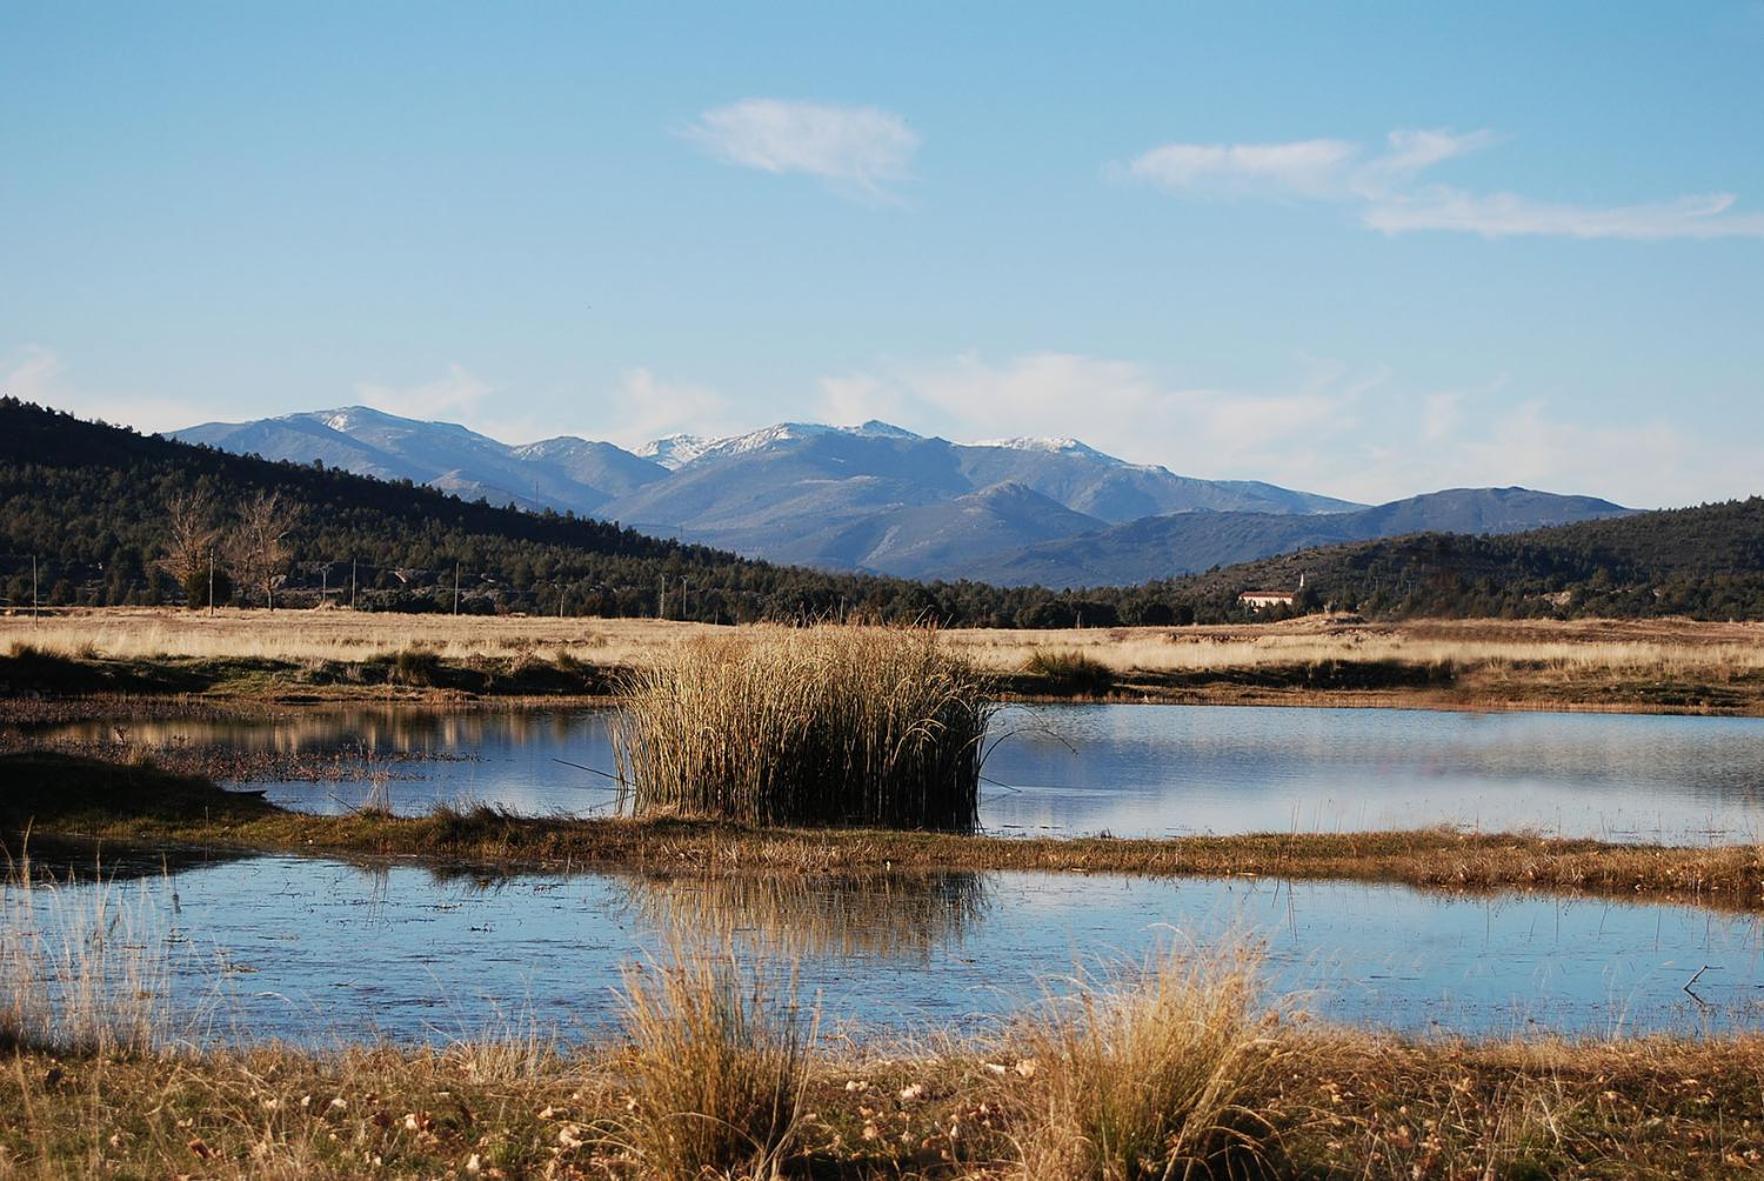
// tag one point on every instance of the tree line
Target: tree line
(110, 516)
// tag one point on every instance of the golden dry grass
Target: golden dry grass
(717, 1065)
(1172, 1071)
(1666, 647)
(329, 634)
(871, 726)
(1342, 1106)
(81, 971)
(1147, 1075)
(1622, 645)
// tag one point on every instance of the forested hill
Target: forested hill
(1706, 562)
(91, 505)
(101, 509)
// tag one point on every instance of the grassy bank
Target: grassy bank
(1663, 666)
(142, 807)
(1316, 1104)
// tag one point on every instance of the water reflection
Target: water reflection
(1127, 769)
(795, 915)
(319, 950)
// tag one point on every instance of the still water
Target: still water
(317, 950)
(1126, 769)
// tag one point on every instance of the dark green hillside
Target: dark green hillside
(89, 502)
(1705, 562)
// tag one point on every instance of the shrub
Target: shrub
(196, 589)
(1070, 671)
(416, 665)
(823, 725)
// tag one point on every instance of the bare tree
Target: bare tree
(192, 530)
(260, 541)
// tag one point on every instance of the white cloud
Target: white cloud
(648, 407)
(1384, 185)
(1118, 406)
(858, 150)
(1440, 415)
(1310, 168)
(456, 395)
(1354, 432)
(1501, 215)
(36, 374)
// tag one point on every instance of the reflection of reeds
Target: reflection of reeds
(82, 970)
(886, 914)
(822, 725)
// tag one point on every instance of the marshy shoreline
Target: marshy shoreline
(139, 808)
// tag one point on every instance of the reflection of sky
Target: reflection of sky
(1142, 769)
(1146, 769)
(313, 949)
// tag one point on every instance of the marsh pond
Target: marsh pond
(307, 948)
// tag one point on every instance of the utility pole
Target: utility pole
(211, 581)
(325, 583)
(456, 588)
(33, 588)
(661, 604)
(352, 584)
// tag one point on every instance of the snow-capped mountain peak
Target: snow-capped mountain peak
(674, 451)
(1053, 445)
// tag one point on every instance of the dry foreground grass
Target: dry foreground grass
(1173, 1073)
(1643, 666)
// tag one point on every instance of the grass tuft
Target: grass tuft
(1148, 1076)
(81, 971)
(718, 1064)
(882, 727)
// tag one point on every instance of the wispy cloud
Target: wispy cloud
(1354, 431)
(1502, 215)
(1385, 185)
(457, 394)
(858, 151)
(649, 407)
(1127, 409)
(37, 374)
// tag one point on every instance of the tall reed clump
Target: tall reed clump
(822, 725)
(717, 1067)
(1148, 1076)
(83, 968)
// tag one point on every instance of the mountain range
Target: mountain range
(876, 497)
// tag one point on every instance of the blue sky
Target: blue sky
(1367, 249)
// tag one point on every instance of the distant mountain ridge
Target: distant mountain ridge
(1189, 543)
(880, 498)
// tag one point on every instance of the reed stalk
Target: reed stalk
(829, 725)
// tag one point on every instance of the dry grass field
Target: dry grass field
(1642, 665)
(1664, 646)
